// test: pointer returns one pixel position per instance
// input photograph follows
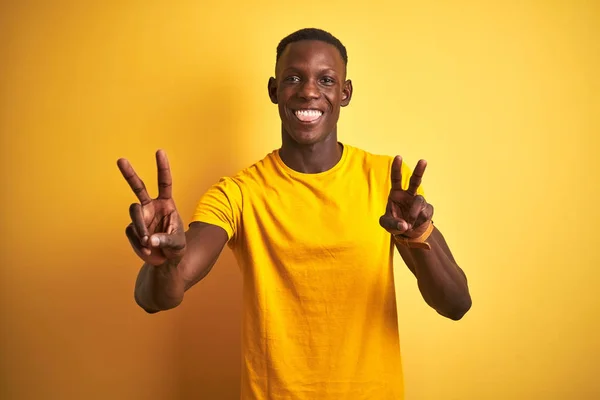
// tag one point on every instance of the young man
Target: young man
(313, 226)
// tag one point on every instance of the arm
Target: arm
(174, 259)
(162, 287)
(441, 281)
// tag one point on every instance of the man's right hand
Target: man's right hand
(156, 231)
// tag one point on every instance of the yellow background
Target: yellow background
(502, 99)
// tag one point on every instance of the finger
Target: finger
(397, 173)
(425, 215)
(137, 218)
(417, 176)
(167, 241)
(415, 210)
(139, 249)
(396, 226)
(134, 181)
(174, 223)
(164, 175)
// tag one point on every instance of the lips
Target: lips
(308, 115)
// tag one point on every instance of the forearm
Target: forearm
(159, 288)
(441, 281)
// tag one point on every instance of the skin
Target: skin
(442, 283)
(174, 260)
(310, 75)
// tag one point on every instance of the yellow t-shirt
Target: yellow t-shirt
(319, 313)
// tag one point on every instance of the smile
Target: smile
(308, 115)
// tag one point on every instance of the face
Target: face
(309, 88)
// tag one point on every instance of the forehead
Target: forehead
(311, 54)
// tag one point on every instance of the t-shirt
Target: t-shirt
(319, 308)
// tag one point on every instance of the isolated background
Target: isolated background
(502, 98)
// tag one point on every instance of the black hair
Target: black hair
(312, 34)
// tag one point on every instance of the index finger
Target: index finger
(134, 181)
(417, 176)
(397, 173)
(165, 182)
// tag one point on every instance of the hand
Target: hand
(156, 231)
(407, 213)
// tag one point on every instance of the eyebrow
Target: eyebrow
(322, 70)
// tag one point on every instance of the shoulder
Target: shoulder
(227, 195)
(256, 173)
(369, 160)
(359, 155)
(379, 165)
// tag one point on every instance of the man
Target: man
(313, 226)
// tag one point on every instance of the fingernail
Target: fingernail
(145, 241)
(154, 241)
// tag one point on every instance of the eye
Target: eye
(327, 80)
(292, 79)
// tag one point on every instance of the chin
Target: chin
(307, 137)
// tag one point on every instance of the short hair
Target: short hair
(312, 34)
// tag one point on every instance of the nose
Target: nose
(309, 90)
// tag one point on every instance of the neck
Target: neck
(311, 158)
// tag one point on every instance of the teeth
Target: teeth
(308, 115)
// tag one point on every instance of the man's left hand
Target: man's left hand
(407, 213)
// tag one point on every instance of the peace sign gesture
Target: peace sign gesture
(407, 213)
(156, 232)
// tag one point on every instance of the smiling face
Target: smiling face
(309, 87)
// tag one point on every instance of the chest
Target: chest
(300, 221)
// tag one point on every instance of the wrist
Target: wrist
(419, 242)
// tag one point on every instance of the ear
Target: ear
(272, 87)
(346, 93)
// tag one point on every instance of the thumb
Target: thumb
(167, 241)
(396, 226)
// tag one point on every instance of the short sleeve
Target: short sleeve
(221, 205)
